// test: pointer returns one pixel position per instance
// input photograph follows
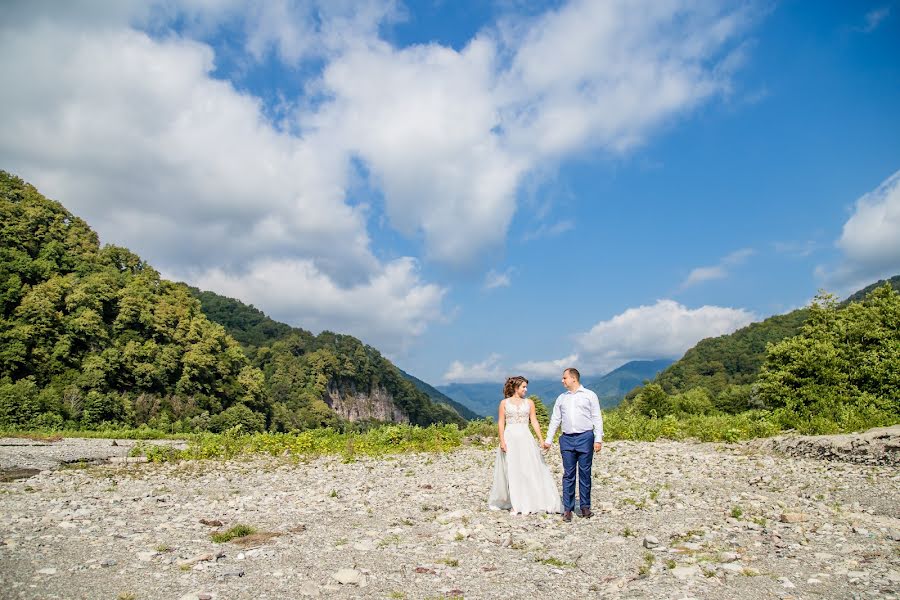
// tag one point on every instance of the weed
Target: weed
(450, 562)
(736, 512)
(555, 562)
(237, 531)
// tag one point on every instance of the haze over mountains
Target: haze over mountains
(482, 398)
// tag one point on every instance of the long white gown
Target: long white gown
(522, 480)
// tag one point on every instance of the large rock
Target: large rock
(879, 446)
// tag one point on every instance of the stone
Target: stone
(47, 571)
(792, 517)
(786, 583)
(348, 577)
(730, 556)
(231, 573)
(685, 572)
(650, 542)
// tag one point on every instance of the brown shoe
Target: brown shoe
(586, 513)
(567, 516)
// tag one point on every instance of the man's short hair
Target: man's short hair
(574, 373)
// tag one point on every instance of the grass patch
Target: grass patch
(450, 562)
(555, 562)
(238, 531)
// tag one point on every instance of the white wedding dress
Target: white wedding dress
(522, 480)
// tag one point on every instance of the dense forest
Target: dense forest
(91, 336)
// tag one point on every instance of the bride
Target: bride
(522, 481)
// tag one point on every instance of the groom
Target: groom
(578, 409)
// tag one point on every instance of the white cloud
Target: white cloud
(550, 231)
(666, 329)
(387, 311)
(450, 135)
(493, 279)
(140, 135)
(796, 249)
(870, 239)
(547, 368)
(487, 370)
(719, 271)
(874, 18)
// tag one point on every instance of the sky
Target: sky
(476, 189)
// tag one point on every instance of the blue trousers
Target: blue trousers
(577, 455)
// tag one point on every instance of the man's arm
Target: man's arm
(555, 420)
(596, 418)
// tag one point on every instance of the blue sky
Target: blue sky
(477, 189)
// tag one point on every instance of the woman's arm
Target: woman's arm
(501, 425)
(534, 422)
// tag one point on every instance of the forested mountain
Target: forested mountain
(92, 335)
(729, 360)
(438, 396)
(724, 369)
(362, 384)
(483, 398)
(861, 294)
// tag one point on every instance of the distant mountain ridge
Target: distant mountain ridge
(482, 398)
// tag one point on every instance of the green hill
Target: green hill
(92, 336)
(726, 366)
(357, 373)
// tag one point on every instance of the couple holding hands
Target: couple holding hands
(522, 481)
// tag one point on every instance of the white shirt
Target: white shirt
(577, 411)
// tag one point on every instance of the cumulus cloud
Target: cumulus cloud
(121, 112)
(487, 370)
(547, 368)
(719, 271)
(870, 240)
(297, 292)
(666, 329)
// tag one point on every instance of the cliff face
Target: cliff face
(359, 405)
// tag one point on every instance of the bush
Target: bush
(238, 416)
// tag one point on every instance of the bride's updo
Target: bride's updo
(509, 388)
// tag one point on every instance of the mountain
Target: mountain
(438, 396)
(483, 398)
(727, 365)
(92, 336)
(861, 294)
(361, 384)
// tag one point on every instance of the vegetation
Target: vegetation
(840, 372)
(93, 338)
(93, 341)
(238, 531)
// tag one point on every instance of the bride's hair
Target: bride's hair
(509, 388)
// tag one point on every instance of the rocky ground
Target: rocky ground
(673, 520)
